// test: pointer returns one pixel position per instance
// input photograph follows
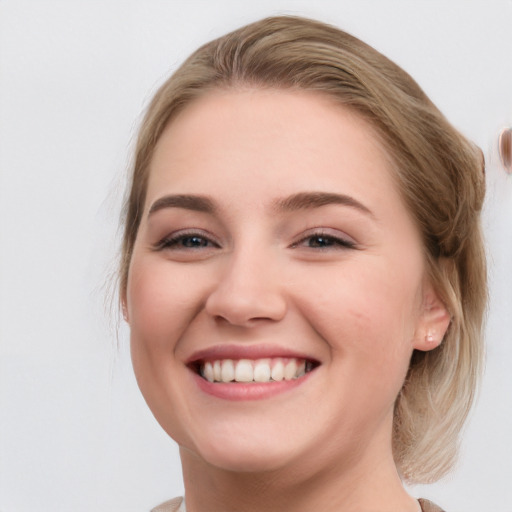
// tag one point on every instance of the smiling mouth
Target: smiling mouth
(258, 370)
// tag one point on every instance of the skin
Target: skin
(355, 300)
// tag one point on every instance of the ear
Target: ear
(433, 322)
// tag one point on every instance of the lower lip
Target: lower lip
(248, 391)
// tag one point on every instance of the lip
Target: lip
(245, 352)
(241, 390)
(238, 391)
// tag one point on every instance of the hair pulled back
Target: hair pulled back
(439, 173)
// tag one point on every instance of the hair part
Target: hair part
(439, 173)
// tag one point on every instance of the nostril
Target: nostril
(245, 307)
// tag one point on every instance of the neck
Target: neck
(367, 483)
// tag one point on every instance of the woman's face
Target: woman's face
(274, 249)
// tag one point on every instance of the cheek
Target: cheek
(366, 311)
(161, 303)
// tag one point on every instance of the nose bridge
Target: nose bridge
(249, 287)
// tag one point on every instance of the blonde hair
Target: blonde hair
(440, 175)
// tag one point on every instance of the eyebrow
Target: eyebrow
(188, 202)
(299, 201)
(307, 200)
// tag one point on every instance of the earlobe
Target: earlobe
(434, 322)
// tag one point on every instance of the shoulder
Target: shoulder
(173, 505)
(428, 506)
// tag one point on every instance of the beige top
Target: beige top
(178, 505)
(174, 505)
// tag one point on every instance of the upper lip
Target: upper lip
(234, 351)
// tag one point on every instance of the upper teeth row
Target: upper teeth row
(260, 370)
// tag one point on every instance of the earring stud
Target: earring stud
(429, 338)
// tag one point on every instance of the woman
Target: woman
(303, 274)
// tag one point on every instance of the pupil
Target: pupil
(194, 241)
(319, 241)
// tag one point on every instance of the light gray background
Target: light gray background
(74, 79)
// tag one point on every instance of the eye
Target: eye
(185, 241)
(322, 240)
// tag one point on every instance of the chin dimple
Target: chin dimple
(258, 370)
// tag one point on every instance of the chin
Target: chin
(248, 462)
(243, 456)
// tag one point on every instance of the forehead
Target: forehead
(298, 139)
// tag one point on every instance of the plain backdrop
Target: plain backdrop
(75, 76)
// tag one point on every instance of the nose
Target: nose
(248, 291)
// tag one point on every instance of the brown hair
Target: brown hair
(438, 171)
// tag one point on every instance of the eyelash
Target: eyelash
(325, 242)
(329, 242)
(173, 241)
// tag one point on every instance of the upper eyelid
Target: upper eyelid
(332, 233)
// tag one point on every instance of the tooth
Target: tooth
(278, 370)
(243, 371)
(262, 370)
(290, 369)
(208, 371)
(227, 370)
(217, 374)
